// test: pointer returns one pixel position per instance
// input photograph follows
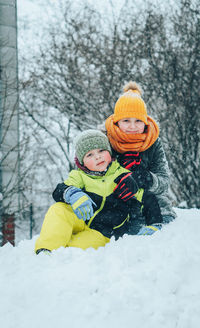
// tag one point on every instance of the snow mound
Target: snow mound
(138, 281)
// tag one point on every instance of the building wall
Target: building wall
(9, 115)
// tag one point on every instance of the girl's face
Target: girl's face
(97, 160)
(131, 125)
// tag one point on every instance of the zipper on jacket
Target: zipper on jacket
(100, 208)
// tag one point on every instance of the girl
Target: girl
(134, 136)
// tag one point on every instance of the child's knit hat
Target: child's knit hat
(130, 104)
(89, 140)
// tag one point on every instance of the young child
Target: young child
(92, 205)
(134, 136)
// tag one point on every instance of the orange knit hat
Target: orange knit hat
(130, 104)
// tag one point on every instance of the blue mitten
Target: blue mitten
(149, 230)
(80, 202)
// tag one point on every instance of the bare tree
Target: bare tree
(172, 85)
(78, 75)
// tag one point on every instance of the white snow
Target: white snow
(137, 281)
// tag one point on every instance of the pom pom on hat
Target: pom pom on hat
(132, 86)
(130, 104)
(89, 140)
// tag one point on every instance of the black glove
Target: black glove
(59, 191)
(143, 178)
(130, 160)
(126, 187)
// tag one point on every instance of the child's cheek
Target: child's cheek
(89, 163)
(107, 157)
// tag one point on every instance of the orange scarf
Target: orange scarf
(122, 142)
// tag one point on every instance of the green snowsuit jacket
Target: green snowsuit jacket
(111, 215)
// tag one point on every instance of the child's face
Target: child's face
(131, 125)
(97, 160)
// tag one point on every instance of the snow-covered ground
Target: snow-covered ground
(138, 281)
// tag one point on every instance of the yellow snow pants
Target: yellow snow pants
(61, 227)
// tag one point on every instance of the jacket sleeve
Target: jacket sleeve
(159, 169)
(74, 179)
(58, 192)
